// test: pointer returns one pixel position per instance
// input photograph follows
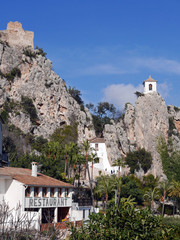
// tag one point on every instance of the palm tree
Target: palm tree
(93, 159)
(150, 196)
(73, 150)
(174, 191)
(86, 148)
(164, 189)
(66, 151)
(117, 184)
(120, 163)
(104, 187)
(53, 148)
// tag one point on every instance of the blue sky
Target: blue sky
(104, 48)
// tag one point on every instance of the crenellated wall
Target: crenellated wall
(14, 35)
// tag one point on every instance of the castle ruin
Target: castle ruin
(15, 35)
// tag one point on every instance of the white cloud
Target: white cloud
(104, 69)
(119, 94)
(158, 64)
(163, 89)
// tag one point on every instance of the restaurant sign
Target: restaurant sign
(32, 202)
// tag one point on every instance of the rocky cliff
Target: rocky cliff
(26, 73)
(141, 126)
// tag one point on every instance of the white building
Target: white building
(150, 85)
(47, 199)
(98, 145)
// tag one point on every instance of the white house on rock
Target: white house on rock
(98, 145)
(150, 85)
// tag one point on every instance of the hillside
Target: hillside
(34, 102)
(27, 80)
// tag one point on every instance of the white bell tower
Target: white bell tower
(150, 85)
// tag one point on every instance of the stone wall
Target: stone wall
(14, 35)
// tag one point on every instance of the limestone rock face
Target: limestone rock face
(140, 128)
(48, 91)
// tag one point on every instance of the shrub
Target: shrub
(29, 108)
(139, 94)
(14, 72)
(123, 222)
(40, 51)
(4, 115)
(29, 53)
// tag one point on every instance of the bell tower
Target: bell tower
(150, 85)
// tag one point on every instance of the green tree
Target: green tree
(76, 94)
(170, 159)
(174, 192)
(66, 134)
(131, 186)
(164, 190)
(140, 158)
(120, 163)
(104, 187)
(123, 222)
(117, 184)
(150, 182)
(86, 148)
(152, 195)
(93, 159)
(102, 114)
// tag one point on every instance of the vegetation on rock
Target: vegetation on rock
(139, 159)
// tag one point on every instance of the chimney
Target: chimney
(34, 169)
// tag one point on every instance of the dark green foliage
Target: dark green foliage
(170, 159)
(139, 94)
(40, 51)
(98, 125)
(140, 158)
(131, 187)
(123, 222)
(33, 54)
(39, 144)
(52, 166)
(66, 134)
(24, 161)
(150, 182)
(176, 109)
(4, 115)
(102, 114)
(76, 94)
(11, 75)
(174, 223)
(168, 209)
(171, 126)
(29, 53)
(14, 72)
(29, 108)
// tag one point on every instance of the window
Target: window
(150, 87)
(27, 192)
(84, 213)
(52, 192)
(66, 192)
(96, 146)
(36, 191)
(44, 192)
(59, 192)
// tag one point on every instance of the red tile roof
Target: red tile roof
(150, 79)
(23, 175)
(97, 140)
